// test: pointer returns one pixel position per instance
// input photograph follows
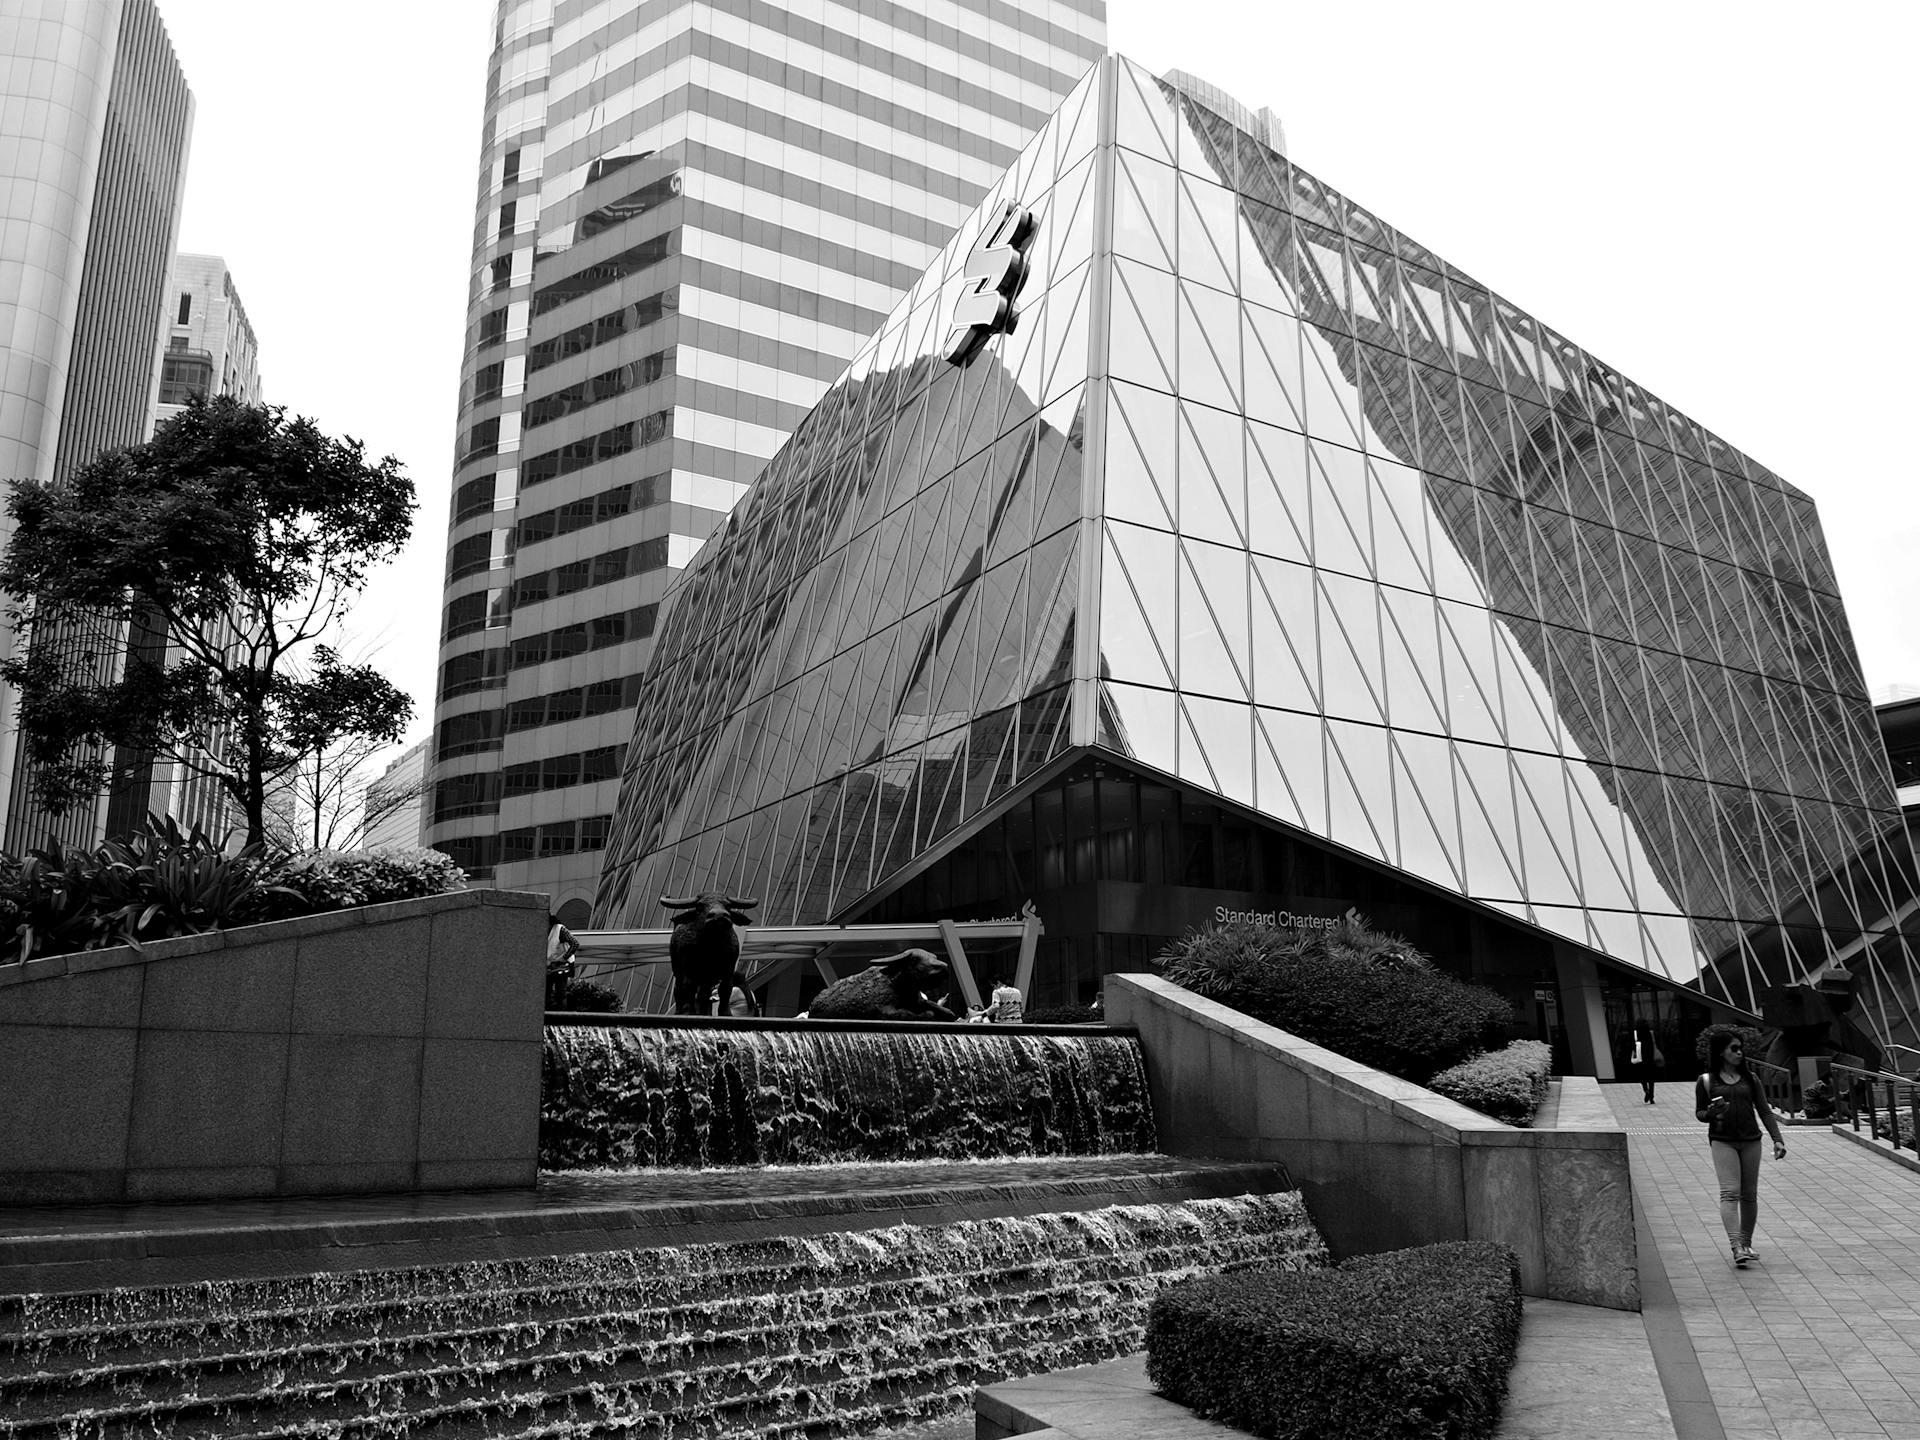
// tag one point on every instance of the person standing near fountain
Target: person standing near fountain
(561, 948)
(1007, 1007)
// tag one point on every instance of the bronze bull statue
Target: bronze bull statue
(899, 987)
(705, 948)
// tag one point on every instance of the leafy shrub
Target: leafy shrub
(1507, 1084)
(1818, 1098)
(160, 881)
(1753, 1040)
(340, 879)
(1064, 1015)
(1409, 1343)
(163, 881)
(590, 997)
(1363, 993)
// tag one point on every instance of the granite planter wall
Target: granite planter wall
(1382, 1162)
(390, 1047)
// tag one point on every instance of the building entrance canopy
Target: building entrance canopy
(767, 952)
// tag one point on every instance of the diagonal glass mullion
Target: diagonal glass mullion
(1117, 569)
(1134, 326)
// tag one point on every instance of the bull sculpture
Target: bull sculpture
(899, 987)
(705, 948)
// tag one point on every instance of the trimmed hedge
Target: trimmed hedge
(1361, 992)
(1064, 1015)
(1409, 1343)
(1507, 1084)
(342, 879)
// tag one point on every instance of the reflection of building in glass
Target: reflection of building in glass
(690, 218)
(1272, 564)
(95, 172)
(211, 350)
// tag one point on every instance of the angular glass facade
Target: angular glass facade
(690, 217)
(1263, 508)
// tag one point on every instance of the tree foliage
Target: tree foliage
(239, 538)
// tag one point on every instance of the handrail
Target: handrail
(1779, 1084)
(1853, 1085)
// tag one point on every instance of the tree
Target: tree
(241, 537)
(332, 799)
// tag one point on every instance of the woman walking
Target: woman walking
(1645, 1060)
(1729, 1099)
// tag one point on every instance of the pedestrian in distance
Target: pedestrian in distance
(561, 948)
(1729, 1100)
(1645, 1061)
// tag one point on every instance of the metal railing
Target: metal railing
(1890, 1103)
(1781, 1086)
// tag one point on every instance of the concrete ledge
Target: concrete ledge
(1383, 1163)
(1879, 1147)
(259, 1239)
(386, 1047)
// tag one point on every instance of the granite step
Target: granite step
(832, 1332)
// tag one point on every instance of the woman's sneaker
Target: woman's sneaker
(1740, 1257)
(1747, 1253)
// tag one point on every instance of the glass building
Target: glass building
(1269, 564)
(94, 120)
(689, 219)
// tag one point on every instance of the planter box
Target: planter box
(389, 1047)
(1383, 1163)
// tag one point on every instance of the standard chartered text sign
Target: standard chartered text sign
(1280, 919)
(995, 270)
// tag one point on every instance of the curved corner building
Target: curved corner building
(1271, 565)
(690, 217)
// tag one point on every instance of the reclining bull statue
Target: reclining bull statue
(900, 987)
(705, 948)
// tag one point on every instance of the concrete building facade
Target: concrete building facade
(689, 218)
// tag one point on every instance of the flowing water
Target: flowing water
(836, 1333)
(620, 1097)
(821, 1335)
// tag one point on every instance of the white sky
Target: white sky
(1707, 196)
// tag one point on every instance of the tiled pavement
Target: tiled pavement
(1820, 1340)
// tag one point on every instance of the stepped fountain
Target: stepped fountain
(743, 1229)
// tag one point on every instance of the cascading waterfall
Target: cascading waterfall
(621, 1097)
(826, 1334)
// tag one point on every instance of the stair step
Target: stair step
(779, 1334)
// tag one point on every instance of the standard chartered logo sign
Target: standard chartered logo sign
(996, 268)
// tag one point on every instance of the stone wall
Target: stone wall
(1382, 1162)
(390, 1047)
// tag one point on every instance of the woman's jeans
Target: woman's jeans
(1647, 1076)
(1736, 1164)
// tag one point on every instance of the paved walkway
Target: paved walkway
(1819, 1340)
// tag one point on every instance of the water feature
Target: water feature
(623, 1096)
(826, 1334)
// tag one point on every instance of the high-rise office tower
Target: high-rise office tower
(689, 219)
(94, 119)
(211, 350)
(211, 347)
